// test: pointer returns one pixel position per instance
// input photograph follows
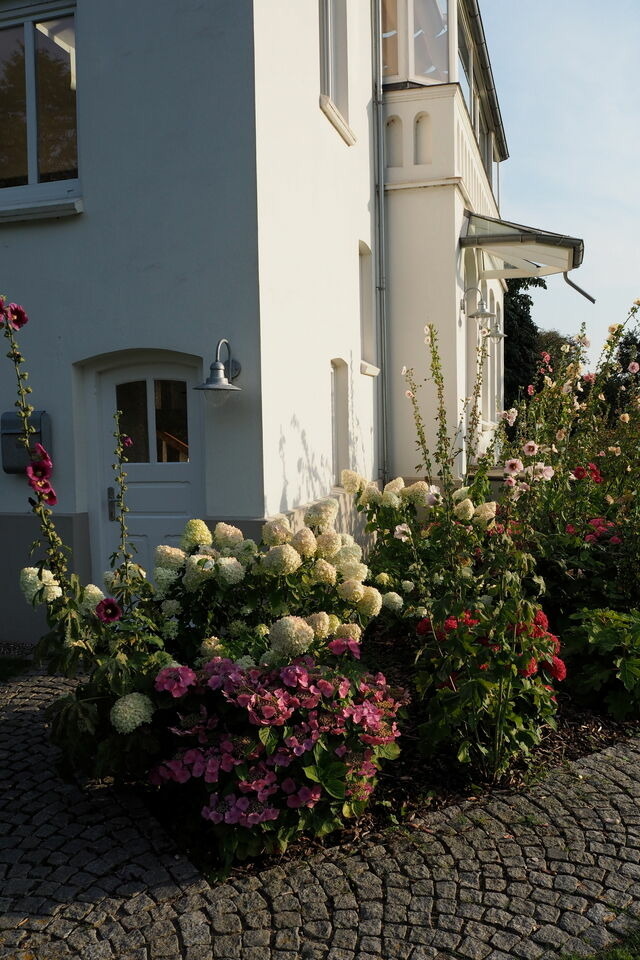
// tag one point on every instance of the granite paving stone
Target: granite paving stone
(87, 874)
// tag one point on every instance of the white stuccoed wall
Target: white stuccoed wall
(315, 203)
(164, 256)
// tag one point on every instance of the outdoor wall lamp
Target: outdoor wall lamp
(482, 314)
(218, 384)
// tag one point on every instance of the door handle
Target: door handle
(111, 503)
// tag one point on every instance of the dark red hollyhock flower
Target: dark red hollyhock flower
(16, 315)
(126, 440)
(108, 610)
(423, 627)
(39, 470)
(49, 496)
(596, 476)
(579, 473)
(40, 453)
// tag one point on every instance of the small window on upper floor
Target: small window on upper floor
(39, 157)
(334, 65)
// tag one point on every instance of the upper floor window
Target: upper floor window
(37, 104)
(415, 40)
(335, 62)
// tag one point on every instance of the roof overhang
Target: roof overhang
(512, 250)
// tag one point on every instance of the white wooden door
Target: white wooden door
(162, 416)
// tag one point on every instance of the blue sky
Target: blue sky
(568, 82)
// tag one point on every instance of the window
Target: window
(334, 66)
(39, 157)
(156, 408)
(431, 40)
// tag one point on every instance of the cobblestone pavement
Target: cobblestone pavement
(532, 875)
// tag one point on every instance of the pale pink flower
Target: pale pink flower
(589, 377)
(531, 389)
(530, 448)
(633, 367)
(402, 532)
(509, 481)
(409, 395)
(514, 466)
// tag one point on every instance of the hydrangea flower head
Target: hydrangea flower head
(170, 557)
(351, 590)
(464, 510)
(276, 531)
(33, 580)
(304, 541)
(281, 561)
(319, 622)
(322, 515)
(392, 601)
(130, 712)
(328, 544)
(291, 636)
(324, 572)
(352, 481)
(371, 603)
(92, 596)
(230, 571)
(195, 533)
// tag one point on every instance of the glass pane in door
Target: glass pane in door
(431, 39)
(131, 400)
(172, 431)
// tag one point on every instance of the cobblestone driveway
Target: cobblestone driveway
(529, 876)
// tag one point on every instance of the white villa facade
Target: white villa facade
(306, 179)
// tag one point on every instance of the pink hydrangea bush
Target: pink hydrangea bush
(262, 754)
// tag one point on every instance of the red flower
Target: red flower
(579, 473)
(424, 627)
(570, 529)
(126, 440)
(39, 470)
(108, 610)
(541, 620)
(15, 315)
(530, 669)
(558, 669)
(40, 453)
(49, 496)
(450, 624)
(596, 476)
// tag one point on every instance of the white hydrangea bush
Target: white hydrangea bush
(220, 594)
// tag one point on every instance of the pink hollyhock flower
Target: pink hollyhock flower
(545, 356)
(409, 395)
(175, 680)
(531, 389)
(49, 496)
(108, 610)
(589, 377)
(39, 470)
(571, 529)
(615, 540)
(530, 448)
(402, 532)
(633, 367)
(514, 466)
(509, 481)
(126, 440)
(590, 538)
(41, 453)
(16, 315)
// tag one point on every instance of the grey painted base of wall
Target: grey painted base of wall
(22, 624)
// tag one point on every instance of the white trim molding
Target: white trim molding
(330, 110)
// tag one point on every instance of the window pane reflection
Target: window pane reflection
(13, 109)
(56, 96)
(131, 400)
(172, 434)
(431, 39)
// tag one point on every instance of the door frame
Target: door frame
(91, 481)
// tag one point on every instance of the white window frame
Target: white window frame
(334, 57)
(33, 200)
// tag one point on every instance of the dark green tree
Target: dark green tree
(521, 350)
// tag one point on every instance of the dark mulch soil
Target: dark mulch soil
(413, 784)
